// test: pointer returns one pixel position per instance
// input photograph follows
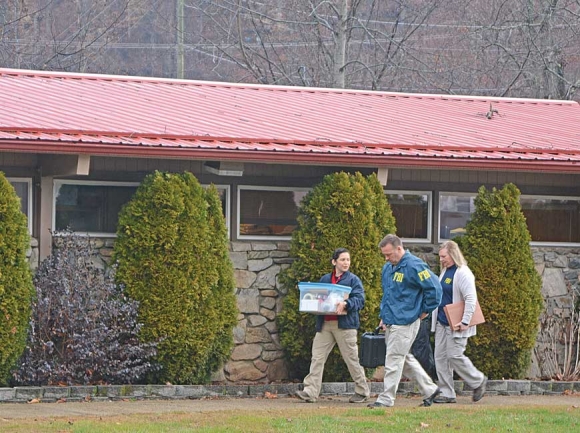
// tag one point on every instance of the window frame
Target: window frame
(28, 181)
(551, 197)
(262, 188)
(439, 194)
(55, 188)
(429, 194)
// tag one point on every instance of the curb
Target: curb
(51, 394)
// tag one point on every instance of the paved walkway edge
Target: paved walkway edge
(117, 392)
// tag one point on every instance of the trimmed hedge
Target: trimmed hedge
(173, 258)
(16, 289)
(497, 247)
(344, 210)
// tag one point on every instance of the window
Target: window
(90, 207)
(552, 219)
(23, 188)
(412, 211)
(268, 212)
(455, 210)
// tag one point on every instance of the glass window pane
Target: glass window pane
(552, 219)
(411, 212)
(21, 189)
(268, 212)
(454, 212)
(90, 208)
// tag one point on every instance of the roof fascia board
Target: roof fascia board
(294, 157)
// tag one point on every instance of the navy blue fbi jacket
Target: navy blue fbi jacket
(409, 289)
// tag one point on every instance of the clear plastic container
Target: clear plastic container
(321, 298)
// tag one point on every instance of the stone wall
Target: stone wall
(560, 271)
(258, 357)
(32, 255)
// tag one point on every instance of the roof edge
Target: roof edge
(260, 156)
(208, 139)
(132, 78)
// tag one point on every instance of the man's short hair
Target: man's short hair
(392, 239)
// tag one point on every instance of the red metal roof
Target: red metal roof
(56, 112)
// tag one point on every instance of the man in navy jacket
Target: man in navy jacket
(410, 292)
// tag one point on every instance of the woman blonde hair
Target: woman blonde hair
(454, 252)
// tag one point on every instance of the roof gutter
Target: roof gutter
(290, 157)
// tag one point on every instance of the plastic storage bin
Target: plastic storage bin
(321, 298)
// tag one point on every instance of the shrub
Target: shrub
(16, 289)
(344, 210)
(172, 256)
(223, 301)
(558, 356)
(497, 247)
(83, 329)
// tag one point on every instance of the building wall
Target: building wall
(258, 356)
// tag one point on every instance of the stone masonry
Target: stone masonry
(258, 358)
(51, 394)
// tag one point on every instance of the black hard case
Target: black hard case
(372, 349)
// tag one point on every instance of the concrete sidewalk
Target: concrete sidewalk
(287, 404)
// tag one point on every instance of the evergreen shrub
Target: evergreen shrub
(83, 328)
(344, 210)
(172, 255)
(497, 247)
(16, 289)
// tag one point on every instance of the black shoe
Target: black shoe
(479, 392)
(429, 400)
(443, 399)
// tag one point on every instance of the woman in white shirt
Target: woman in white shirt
(458, 283)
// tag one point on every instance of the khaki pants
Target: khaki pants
(323, 343)
(449, 357)
(399, 361)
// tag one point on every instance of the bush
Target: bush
(497, 247)
(172, 256)
(223, 305)
(344, 210)
(83, 329)
(16, 289)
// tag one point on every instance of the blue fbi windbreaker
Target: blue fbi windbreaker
(409, 289)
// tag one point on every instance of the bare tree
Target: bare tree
(339, 43)
(525, 48)
(77, 35)
(519, 48)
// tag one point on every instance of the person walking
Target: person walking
(458, 283)
(410, 292)
(338, 329)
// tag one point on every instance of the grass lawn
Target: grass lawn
(445, 418)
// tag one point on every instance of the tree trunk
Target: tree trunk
(340, 54)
